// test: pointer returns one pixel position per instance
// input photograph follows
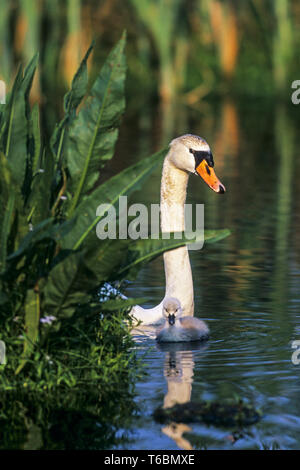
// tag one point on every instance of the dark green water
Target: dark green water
(246, 287)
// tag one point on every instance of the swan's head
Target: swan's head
(192, 153)
(171, 309)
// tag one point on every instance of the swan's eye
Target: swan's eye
(200, 155)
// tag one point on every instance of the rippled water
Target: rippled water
(246, 287)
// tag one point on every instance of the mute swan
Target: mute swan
(187, 154)
(178, 328)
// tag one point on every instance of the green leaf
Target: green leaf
(79, 85)
(121, 304)
(104, 258)
(71, 101)
(143, 251)
(32, 319)
(28, 76)
(7, 114)
(35, 137)
(109, 192)
(32, 236)
(17, 123)
(3, 298)
(44, 230)
(38, 203)
(213, 236)
(93, 133)
(67, 285)
(122, 259)
(7, 205)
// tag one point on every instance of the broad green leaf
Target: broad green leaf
(3, 298)
(109, 192)
(44, 230)
(121, 259)
(67, 285)
(32, 319)
(33, 149)
(93, 133)
(213, 236)
(7, 112)
(7, 206)
(40, 198)
(79, 85)
(121, 304)
(143, 251)
(104, 258)
(28, 76)
(31, 237)
(35, 137)
(71, 101)
(17, 123)
(16, 143)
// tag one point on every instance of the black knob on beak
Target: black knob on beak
(171, 319)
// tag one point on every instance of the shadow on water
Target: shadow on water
(246, 287)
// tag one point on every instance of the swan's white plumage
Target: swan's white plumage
(178, 164)
(182, 328)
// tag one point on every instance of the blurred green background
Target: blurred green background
(183, 50)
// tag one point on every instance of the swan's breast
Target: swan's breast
(192, 323)
(186, 332)
(171, 334)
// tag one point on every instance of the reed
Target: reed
(5, 43)
(160, 18)
(223, 20)
(283, 43)
(71, 51)
(27, 37)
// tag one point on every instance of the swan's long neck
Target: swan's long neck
(179, 281)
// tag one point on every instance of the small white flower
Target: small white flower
(48, 319)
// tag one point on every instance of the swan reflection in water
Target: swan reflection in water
(179, 371)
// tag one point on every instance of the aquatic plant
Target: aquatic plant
(160, 18)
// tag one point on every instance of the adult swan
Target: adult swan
(188, 154)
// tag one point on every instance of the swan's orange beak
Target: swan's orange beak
(208, 174)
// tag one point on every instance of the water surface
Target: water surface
(246, 287)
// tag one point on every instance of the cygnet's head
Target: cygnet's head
(192, 153)
(171, 309)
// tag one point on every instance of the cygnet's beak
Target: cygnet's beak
(171, 319)
(208, 174)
